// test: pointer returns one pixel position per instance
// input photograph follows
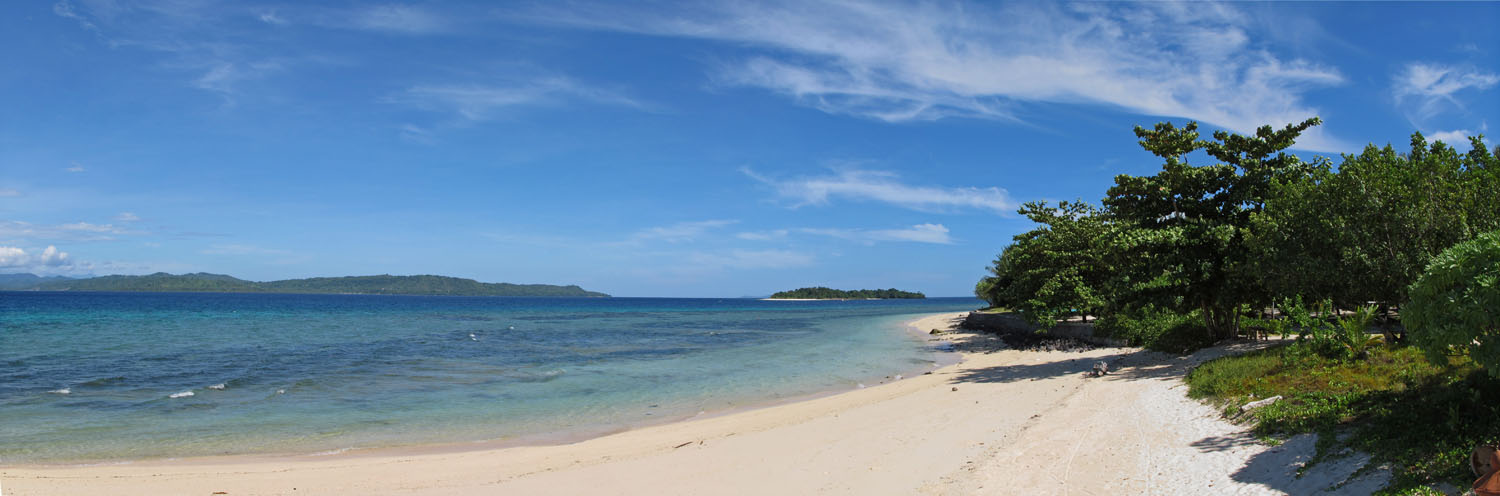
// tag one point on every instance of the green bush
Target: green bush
(1455, 305)
(1157, 329)
(1339, 338)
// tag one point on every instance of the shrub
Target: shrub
(1342, 338)
(1157, 328)
(1455, 305)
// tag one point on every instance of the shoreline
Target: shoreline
(1000, 421)
(908, 328)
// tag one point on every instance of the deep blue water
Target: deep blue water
(92, 376)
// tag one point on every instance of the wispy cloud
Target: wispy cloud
(922, 61)
(12, 258)
(1458, 138)
(920, 233)
(681, 232)
(9, 192)
(270, 17)
(482, 101)
(75, 168)
(1427, 87)
(406, 19)
(76, 231)
(885, 187)
(771, 235)
(127, 217)
(749, 259)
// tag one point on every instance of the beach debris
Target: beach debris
(217, 387)
(1100, 368)
(1259, 403)
(683, 444)
(936, 331)
(61, 391)
(860, 384)
(899, 377)
(184, 394)
(955, 388)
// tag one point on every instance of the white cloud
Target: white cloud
(404, 19)
(1429, 86)
(127, 217)
(75, 168)
(77, 231)
(270, 17)
(750, 259)
(65, 9)
(12, 257)
(479, 102)
(678, 233)
(866, 185)
(920, 233)
(1458, 138)
(762, 235)
(922, 61)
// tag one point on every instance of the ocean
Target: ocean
(98, 377)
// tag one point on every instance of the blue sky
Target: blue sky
(660, 149)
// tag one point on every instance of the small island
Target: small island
(822, 293)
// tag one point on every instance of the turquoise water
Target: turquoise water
(107, 376)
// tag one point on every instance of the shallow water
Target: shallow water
(106, 376)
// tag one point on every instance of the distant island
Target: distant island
(822, 293)
(422, 285)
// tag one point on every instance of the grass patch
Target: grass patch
(1421, 418)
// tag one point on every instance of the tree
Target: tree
(1054, 270)
(1182, 244)
(1455, 305)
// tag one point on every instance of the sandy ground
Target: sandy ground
(1001, 422)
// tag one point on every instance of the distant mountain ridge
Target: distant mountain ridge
(206, 282)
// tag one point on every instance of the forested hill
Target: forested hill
(383, 284)
(822, 293)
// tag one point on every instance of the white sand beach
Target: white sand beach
(1001, 422)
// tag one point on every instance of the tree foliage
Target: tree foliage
(1212, 244)
(1185, 227)
(1455, 305)
(1054, 270)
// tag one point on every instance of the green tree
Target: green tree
(1455, 305)
(1183, 244)
(1054, 270)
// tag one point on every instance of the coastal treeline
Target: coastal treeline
(1197, 252)
(381, 284)
(822, 293)
(1262, 242)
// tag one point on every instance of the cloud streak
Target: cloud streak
(884, 187)
(908, 61)
(920, 233)
(682, 232)
(477, 102)
(1429, 86)
(76, 231)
